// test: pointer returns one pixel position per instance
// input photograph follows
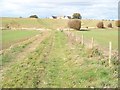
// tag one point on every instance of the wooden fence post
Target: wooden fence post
(110, 52)
(72, 36)
(76, 38)
(68, 33)
(82, 42)
(92, 43)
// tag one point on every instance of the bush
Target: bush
(33, 16)
(100, 25)
(110, 25)
(117, 23)
(75, 24)
(7, 26)
(77, 16)
(20, 17)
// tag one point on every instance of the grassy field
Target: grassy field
(10, 37)
(52, 59)
(93, 23)
(48, 23)
(56, 62)
(37, 23)
(101, 36)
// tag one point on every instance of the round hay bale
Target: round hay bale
(117, 23)
(75, 24)
(109, 25)
(100, 25)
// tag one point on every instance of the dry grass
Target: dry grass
(51, 23)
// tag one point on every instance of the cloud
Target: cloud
(44, 8)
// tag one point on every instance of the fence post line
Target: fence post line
(82, 42)
(110, 52)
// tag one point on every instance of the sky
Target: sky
(89, 9)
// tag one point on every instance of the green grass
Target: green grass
(101, 36)
(10, 55)
(10, 37)
(54, 65)
(57, 62)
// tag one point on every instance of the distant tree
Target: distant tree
(55, 17)
(20, 17)
(69, 17)
(33, 16)
(103, 19)
(77, 16)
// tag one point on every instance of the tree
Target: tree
(69, 17)
(77, 16)
(33, 16)
(55, 17)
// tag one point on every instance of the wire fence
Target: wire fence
(90, 43)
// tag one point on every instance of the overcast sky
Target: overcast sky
(95, 9)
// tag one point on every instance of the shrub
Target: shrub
(7, 26)
(110, 25)
(77, 16)
(100, 25)
(117, 23)
(75, 24)
(33, 16)
(20, 17)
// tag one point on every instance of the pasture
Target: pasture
(10, 37)
(92, 23)
(34, 23)
(56, 62)
(101, 36)
(52, 59)
(48, 23)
